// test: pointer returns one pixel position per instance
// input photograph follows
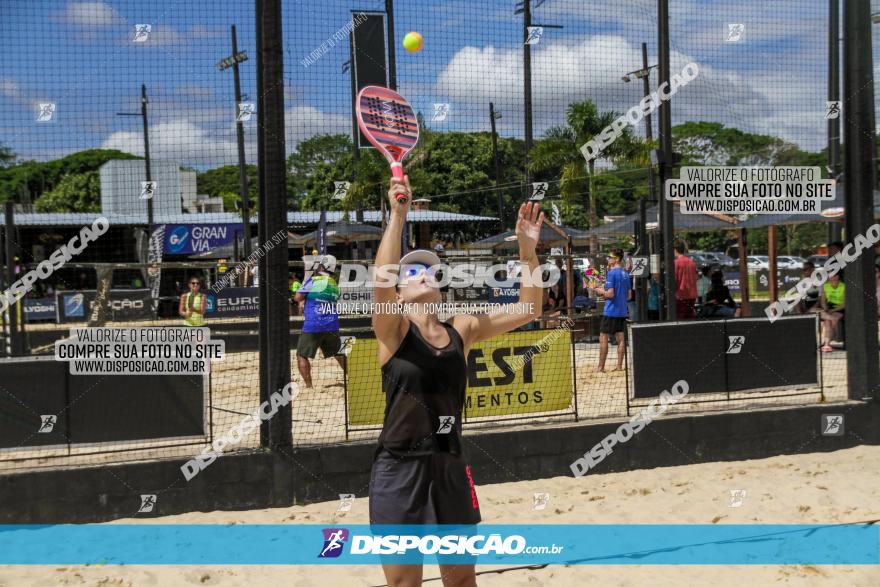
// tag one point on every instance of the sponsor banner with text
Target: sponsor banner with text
(123, 304)
(37, 309)
(497, 384)
(233, 301)
(186, 239)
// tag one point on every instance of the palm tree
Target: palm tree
(560, 150)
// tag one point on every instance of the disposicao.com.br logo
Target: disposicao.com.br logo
(334, 540)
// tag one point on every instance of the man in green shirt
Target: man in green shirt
(319, 293)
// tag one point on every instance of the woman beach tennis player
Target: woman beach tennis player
(420, 474)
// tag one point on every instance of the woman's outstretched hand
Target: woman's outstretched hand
(528, 226)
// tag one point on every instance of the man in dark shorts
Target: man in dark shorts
(616, 293)
(321, 321)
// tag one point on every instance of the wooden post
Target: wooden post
(743, 273)
(771, 252)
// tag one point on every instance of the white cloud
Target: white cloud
(302, 122)
(591, 67)
(91, 14)
(9, 88)
(214, 145)
(177, 140)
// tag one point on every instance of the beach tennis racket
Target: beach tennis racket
(388, 121)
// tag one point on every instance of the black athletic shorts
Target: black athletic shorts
(612, 324)
(433, 489)
(309, 342)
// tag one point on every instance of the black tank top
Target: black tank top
(424, 394)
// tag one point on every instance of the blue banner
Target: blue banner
(39, 309)
(186, 239)
(233, 301)
(244, 544)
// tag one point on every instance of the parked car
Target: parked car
(758, 261)
(817, 260)
(579, 264)
(700, 260)
(709, 257)
(789, 262)
(726, 262)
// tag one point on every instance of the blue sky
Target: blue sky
(80, 55)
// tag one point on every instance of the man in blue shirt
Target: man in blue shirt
(616, 294)
(321, 321)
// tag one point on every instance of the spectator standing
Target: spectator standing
(255, 275)
(192, 304)
(704, 284)
(616, 294)
(563, 280)
(686, 280)
(632, 309)
(654, 297)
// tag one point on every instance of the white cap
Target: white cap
(420, 257)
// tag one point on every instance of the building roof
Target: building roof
(293, 218)
(682, 222)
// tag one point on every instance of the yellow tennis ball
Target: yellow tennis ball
(413, 42)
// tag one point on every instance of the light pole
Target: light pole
(524, 7)
(641, 234)
(233, 61)
(644, 74)
(665, 162)
(493, 116)
(154, 248)
(147, 172)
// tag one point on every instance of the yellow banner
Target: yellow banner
(526, 372)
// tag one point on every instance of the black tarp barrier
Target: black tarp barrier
(761, 355)
(93, 408)
(29, 390)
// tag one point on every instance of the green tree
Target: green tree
(711, 143)
(76, 192)
(559, 150)
(28, 180)
(7, 157)
(454, 169)
(224, 182)
(312, 169)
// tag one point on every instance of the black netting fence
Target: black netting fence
(139, 121)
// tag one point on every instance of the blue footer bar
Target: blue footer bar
(243, 544)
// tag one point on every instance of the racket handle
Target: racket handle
(397, 173)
